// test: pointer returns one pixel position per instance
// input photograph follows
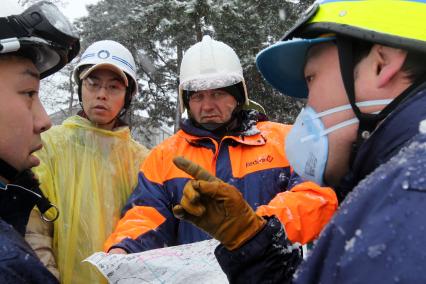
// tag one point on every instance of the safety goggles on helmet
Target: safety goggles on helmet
(42, 33)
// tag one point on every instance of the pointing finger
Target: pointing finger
(194, 170)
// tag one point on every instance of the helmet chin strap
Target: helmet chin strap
(22, 186)
(367, 121)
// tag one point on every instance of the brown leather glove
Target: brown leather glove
(216, 207)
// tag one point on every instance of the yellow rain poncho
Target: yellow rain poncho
(88, 173)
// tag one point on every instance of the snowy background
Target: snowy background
(158, 33)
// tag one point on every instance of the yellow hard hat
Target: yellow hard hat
(396, 23)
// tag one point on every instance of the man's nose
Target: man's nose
(42, 121)
(208, 103)
(102, 93)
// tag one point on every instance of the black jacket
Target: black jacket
(18, 262)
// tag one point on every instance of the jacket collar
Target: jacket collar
(77, 121)
(251, 140)
(247, 133)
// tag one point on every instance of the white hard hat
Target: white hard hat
(107, 54)
(41, 33)
(209, 64)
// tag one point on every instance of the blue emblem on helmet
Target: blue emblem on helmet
(103, 54)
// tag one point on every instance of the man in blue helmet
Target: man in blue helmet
(33, 44)
(362, 132)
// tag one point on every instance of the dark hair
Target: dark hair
(237, 91)
(414, 65)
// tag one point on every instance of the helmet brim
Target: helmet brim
(107, 66)
(282, 65)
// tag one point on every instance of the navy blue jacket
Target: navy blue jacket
(379, 232)
(18, 262)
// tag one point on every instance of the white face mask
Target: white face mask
(307, 143)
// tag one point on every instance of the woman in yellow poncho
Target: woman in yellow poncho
(89, 164)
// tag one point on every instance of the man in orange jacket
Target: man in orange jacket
(237, 145)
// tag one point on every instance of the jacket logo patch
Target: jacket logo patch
(261, 160)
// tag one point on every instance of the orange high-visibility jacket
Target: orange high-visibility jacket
(253, 161)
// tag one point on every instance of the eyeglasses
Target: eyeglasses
(112, 88)
(217, 95)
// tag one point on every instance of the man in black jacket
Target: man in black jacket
(33, 44)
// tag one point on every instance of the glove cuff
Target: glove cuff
(252, 228)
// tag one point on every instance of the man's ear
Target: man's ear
(389, 62)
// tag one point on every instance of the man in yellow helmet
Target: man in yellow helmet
(362, 67)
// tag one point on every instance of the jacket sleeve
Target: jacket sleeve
(39, 235)
(303, 210)
(269, 257)
(18, 263)
(148, 221)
